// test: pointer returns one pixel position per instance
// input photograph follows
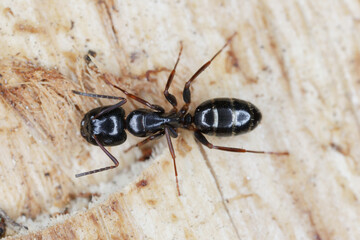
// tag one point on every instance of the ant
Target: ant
(105, 126)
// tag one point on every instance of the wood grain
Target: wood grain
(298, 62)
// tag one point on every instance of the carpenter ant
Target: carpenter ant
(105, 126)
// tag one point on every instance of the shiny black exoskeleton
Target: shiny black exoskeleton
(105, 126)
(226, 117)
(145, 122)
(108, 127)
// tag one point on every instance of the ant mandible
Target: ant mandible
(105, 126)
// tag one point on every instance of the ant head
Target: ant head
(109, 127)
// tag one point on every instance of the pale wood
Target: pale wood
(297, 61)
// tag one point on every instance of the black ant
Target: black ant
(105, 126)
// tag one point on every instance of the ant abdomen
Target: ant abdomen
(226, 117)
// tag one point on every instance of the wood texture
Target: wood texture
(297, 61)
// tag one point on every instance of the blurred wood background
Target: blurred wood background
(298, 61)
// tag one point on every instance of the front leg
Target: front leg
(113, 159)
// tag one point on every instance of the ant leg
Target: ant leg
(171, 148)
(115, 161)
(152, 137)
(186, 92)
(201, 138)
(112, 107)
(171, 98)
(140, 100)
(173, 133)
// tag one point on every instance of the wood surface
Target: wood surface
(297, 61)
